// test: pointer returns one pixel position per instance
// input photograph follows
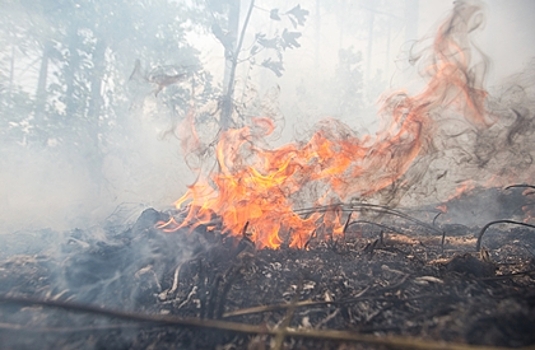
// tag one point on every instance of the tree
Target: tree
(83, 52)
(225, 14)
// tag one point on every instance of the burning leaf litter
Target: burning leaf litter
(263, 188)
(406, 289)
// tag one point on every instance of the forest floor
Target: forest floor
(141, 288)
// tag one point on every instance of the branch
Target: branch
(390, 341)
(238, 49)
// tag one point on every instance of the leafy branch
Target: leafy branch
(233, 43)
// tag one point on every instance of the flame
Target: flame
(258, 188)
(443, 208)
(464, 187)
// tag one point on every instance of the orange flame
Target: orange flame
(464, 187)
(261, 186)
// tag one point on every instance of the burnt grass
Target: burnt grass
(371, 283)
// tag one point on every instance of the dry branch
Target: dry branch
(390, 341)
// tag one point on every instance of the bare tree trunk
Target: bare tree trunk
(230, 52)
(95, 159)
(99, 64)
(41, 95)
(73, 64)
(228, 103)
(232, 33)
(12, 70)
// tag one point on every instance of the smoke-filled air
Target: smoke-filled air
(243, 114)
(254, 174)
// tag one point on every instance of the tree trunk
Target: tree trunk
(41, 95)
(228, 102)
(12, 70)
(230, 54)
(95, 157)
(73, 63)
(99, 64)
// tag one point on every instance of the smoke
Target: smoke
(42, 189)
(55, 187)
(449, 132)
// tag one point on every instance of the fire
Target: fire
(443, 208)
(464, 187)
(258, 188)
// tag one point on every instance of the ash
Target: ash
(372, 282)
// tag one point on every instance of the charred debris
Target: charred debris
(391, 281)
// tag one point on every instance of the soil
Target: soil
(373, 282)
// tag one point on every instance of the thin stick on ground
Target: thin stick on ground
(480, 235)
(347, 224)
(520, 186)
(299, 304)
(333, 335)
(362, 207)
(283, 329)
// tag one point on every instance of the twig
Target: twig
(266, 308)
(328, 318)
(347, 224)
(244, 231)
(381, 209)
(391, 341)
(519, 185)
(283, 328)
(436, 217)
(480, 235)
(312, 236)
(174, 287)
(25, 328)
(274, 307)
(443, 231)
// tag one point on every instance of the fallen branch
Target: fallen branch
(391, 341)
(520, 186)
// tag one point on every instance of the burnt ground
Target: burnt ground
(386, 288)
